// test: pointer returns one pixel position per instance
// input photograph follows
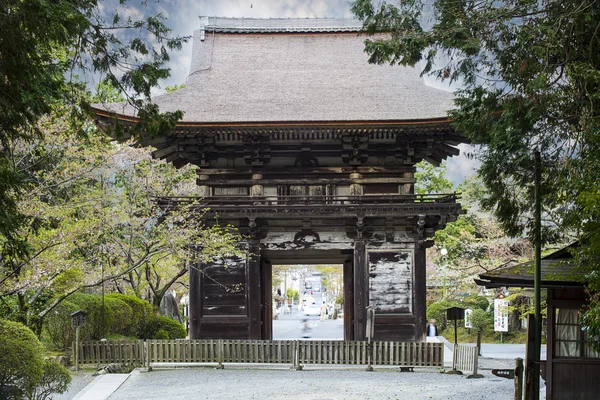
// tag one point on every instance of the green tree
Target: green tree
(431, 179)
(530, 78)
(46, 47)
(90, 219)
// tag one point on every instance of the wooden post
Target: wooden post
(220, 354)
(360, 290)
(518, 379)
(479, 342)
(149, 346)
(76, 349)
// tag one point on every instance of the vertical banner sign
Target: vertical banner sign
(468, 323)
(501, 315)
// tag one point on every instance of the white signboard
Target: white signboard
(468, 313)
(501, 315)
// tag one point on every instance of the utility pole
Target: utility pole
(537, 277)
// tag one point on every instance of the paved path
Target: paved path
(102, 387)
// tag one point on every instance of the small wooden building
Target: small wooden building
(572, 367)
(310, 151)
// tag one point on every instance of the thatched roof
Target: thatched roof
(294, 70)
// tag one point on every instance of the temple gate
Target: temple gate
(309, 151)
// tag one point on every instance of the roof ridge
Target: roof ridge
(268, 25)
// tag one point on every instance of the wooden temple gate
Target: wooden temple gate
(310, 152)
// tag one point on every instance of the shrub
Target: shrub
(141, 312)
(58, 325)
(120, 315)
(55, 379)
(437, 311)
(153, 328)
(481, 320)
(98, 321)
(475, 302)
(21, 363)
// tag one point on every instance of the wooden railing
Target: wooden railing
(364, 200)
(466, 359)
(294, 352)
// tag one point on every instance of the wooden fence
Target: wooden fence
(466, 358)
(294, 352)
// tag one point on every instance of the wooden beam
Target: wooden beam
(360, 290)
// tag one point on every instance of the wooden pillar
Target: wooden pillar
(348, 300)
(257, 190)
(356, 189)
(360, 290)
(267, 300)
(195, 311)
(420, 295)
(253, 291)
(204, 190)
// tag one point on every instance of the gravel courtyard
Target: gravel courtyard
(318, 383)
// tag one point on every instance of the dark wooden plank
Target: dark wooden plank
(254, 291)
(348, 300)
(360, 290)
(419, 293)
(195, 302)
(267, 300)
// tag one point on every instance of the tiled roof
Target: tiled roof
(297, 77)
(557, 269)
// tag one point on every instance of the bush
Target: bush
(437, 311)
(21, 363)
(141, 312)
(55, 379)
(476, 302)
(153, 328)
(98, 321)
(120, 316)
(481, 320)
(58, 325)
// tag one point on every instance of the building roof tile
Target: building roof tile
(321, 74)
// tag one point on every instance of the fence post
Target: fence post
(297, 356)
(220, 354)
(518, 378)
(148, 347)
(479, 342)
(76, 348)
(454, 371)
(475, 352)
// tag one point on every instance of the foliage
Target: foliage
(482, 320)
(292, 294)
(173, 88)
(58, 326)
(476, 302)
(92, 220)
(158, 326)
(46, 48)
(530, 74)
(437, 311)
(141, 312)
(21, 362)
(431, 179)
(55, 379)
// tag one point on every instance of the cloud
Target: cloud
(463, 165)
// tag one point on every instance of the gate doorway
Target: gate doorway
(308, 301)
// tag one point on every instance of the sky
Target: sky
(182, 16)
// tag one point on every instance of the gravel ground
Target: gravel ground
(79, 380)
(311, 383)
